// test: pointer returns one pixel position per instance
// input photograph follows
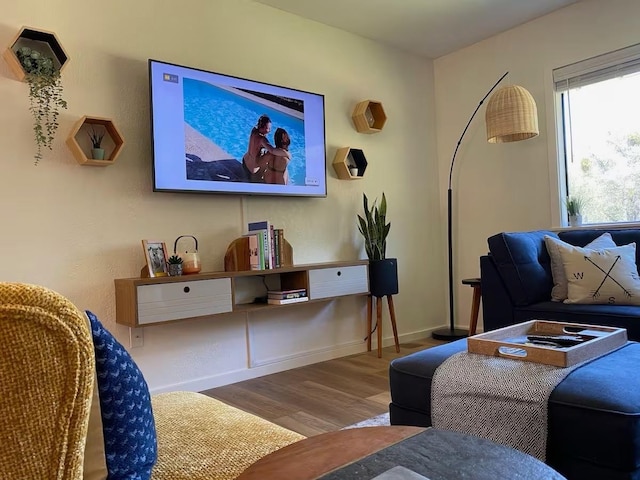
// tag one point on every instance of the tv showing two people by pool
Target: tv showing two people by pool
(215, 133)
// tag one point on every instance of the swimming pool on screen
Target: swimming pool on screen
(226, 118)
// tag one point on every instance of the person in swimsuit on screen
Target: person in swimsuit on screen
(276, 171)
(252, 161)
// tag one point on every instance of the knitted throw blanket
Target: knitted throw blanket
(496, 398)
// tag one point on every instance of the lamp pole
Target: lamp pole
(452, 333)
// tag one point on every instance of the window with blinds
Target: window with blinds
(599, 105)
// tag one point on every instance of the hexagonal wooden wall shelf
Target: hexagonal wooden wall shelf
(347, 158)
(79, 144)
(369, 116)
(46, 43)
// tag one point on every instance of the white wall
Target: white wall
(75, 228)
(512, 187)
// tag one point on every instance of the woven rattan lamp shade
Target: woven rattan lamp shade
(511, 115)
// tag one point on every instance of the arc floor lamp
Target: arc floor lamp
(511, 116)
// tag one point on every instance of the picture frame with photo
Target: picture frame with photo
(155, 253)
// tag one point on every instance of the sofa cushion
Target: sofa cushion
(125, 407)
(523, 262)
(560, 288)
(221, 441)
(605, 276)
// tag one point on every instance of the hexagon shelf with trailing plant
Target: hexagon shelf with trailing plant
(348, 160)
(46, 43)
(369, 116)
(80, 143)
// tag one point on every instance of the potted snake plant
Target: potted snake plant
(383, 271)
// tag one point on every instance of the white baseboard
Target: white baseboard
(284, 363)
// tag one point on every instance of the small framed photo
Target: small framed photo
(156, 256)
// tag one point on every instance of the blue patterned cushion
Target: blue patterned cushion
(125, 403)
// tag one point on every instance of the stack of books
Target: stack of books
(283, 297)
(265, 245)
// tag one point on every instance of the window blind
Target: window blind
(597, 69)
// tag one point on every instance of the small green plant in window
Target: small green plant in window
(574, 205)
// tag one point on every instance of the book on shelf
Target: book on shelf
(285, 295)
(254, 256)
(279, 245)
(265, 229)
(276, 248)
(285, 301)
(256, 253)
(291, 290)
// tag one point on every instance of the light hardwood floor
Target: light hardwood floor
(322, 397)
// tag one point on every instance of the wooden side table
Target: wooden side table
(392, 314)
(475, 305)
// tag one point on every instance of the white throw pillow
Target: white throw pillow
(608, 275)
(559, 290)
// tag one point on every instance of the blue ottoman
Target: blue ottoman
(594, 413)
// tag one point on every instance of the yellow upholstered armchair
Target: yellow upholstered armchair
(51, 425)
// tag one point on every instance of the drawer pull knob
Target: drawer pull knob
(187, 289)
(339, 273)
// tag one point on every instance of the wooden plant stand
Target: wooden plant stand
(392, 314)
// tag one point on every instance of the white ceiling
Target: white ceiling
(430, 28)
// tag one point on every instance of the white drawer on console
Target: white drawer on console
(173, 301)
(334, 282)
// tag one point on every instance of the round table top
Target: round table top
(435, 454)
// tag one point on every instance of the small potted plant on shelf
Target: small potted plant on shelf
(97, 152)
(45, 96)
(383, 272)
(175, 265)
(575, 205)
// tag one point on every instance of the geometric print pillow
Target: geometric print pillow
(127, 419)
(560, 289)
(605, 276)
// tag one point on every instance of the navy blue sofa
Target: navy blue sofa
(594, 413)
(516, 282)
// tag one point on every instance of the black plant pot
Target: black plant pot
(383, 277)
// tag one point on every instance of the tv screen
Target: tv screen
(215, 133)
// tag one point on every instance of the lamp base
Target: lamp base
(450, 334)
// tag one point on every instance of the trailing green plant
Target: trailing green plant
(574, 205)
(45, 96)
(96, 137)
(374, 228)
(173, 259)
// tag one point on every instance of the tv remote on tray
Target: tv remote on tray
(562, 340)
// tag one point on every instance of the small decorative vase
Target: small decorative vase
(190, 261)
(175, 269)
(353, 171)
(97, 153)
(575, 220)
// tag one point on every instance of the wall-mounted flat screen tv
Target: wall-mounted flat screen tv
(202, 123)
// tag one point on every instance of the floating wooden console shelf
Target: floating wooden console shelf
(150, 301)
(45, 42)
